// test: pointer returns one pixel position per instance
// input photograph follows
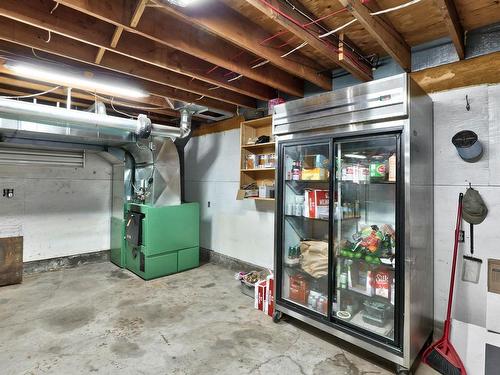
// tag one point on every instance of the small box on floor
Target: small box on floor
(264, 295)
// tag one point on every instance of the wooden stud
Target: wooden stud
(452, 21)
(392, 42)
(116, 36)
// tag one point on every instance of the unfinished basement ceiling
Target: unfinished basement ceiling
(220, 54)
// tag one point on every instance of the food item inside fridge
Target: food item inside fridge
(382, 283)
(376, 242)
(316, 204)
(360, 278)
(314, 174)
(376, 313)
(293, 256)
(392, 168)
(314, 258)
(296, 171)
(299, 289)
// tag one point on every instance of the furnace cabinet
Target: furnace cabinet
(354, 225)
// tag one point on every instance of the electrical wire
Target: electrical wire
(338, 28)
(31, 95)
(395, 8)
(295, 49)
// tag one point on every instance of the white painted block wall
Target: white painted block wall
(60, 211)
(245, 230)
(239, 229)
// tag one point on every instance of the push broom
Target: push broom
(441, 355)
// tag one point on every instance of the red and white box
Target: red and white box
(269, 310)
(260, 295)
(316, 204)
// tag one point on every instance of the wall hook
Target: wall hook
(467, 106)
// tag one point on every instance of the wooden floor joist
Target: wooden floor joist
(180, 35)
(97, 33)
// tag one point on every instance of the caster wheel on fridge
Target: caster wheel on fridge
(277, 316)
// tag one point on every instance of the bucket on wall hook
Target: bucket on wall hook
(468, 146)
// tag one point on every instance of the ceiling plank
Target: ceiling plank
(392, 42)
(92, 31)
(357, 68)
(180, 35)
(452, 21)
(26, 35)
(226, 23)
(33, 38)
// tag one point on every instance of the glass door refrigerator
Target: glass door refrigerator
(354, 227)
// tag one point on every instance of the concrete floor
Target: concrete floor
(100, 319)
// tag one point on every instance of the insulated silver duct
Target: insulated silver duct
(142, 126)
(98, 107)
(185, 124)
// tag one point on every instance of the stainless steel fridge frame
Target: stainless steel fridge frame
(391, 105)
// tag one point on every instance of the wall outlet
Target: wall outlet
(8, 193)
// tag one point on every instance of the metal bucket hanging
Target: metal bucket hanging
(468, 146)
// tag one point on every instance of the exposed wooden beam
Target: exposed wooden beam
(91, 31)
(139, 10)
(392, 42)
(226, 23)
(180, 35)
(476, 71)
(452, 21)
(30, 36)
(358, 69)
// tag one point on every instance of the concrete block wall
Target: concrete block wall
(240, 229)
(60, 211)
(245, 230)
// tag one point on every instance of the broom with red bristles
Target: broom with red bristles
(441, 355)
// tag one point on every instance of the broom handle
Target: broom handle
(454, 266)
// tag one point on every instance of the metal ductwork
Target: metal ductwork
(185, 124)
(44, 114)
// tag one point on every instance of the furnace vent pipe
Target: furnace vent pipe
(142, 126)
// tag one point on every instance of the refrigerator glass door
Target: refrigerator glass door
(365, 228)
(305, 225)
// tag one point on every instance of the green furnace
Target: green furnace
(159, 241)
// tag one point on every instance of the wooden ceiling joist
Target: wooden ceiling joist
(95, 33)
(452, 21)
(358, 69)
(33, 38)
(384, 33)
(180, 35)
(226, 23)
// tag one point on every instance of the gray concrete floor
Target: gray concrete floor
(100, 319)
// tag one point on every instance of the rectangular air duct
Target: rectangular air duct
(30, 156)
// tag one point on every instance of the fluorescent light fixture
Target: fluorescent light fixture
(52, 76)
(183, 3)
(355, 156)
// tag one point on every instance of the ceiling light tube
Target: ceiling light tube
(51, 76)
(355, 156)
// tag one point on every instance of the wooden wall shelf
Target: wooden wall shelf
(259, 176)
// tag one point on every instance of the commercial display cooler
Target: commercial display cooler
(354, 227)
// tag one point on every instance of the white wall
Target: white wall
(245, 231)
(60, 211)
(239, 229)
(452, 176)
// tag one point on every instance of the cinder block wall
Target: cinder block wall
(60, 211)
